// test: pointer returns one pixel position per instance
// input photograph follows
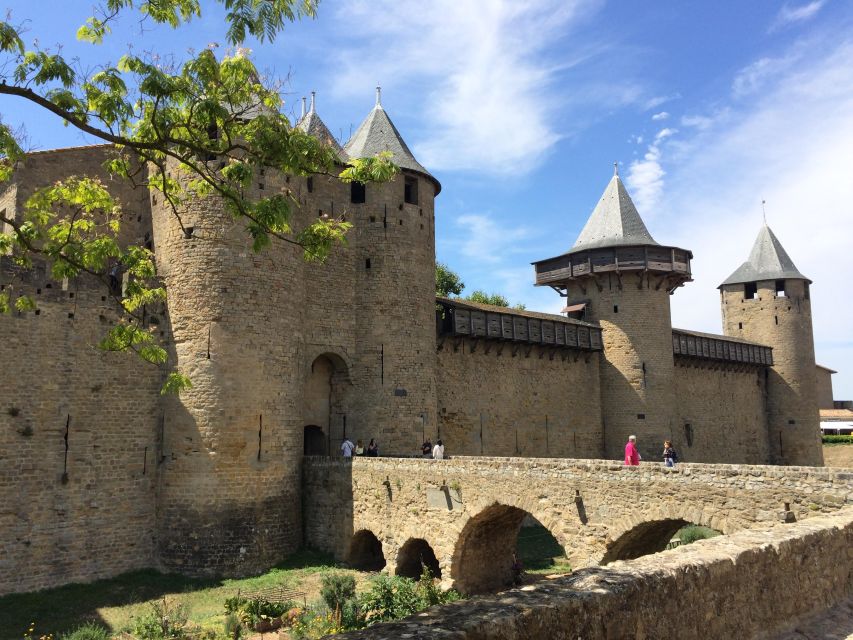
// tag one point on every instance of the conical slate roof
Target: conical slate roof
(768, 260)
(614, 221)
(313, 125)
(376, 134)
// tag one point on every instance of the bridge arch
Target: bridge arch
(651, 530)
(365, 551)
(413, 555)
(483, 554)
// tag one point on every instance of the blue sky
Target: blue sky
(521, 108)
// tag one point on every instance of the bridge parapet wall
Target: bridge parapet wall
(752, 584)
(586, 504)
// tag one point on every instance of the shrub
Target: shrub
(87, 631)
(389, 598)
(337, 589)
(837, 439)
(165, 621)
(233, 626)
(693, 533)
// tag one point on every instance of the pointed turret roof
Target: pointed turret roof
(768, 260)
(376, 134)
(313, 125)
(614, 221)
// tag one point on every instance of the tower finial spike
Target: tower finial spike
(313, 95)
(764, 211)
(303, 108)
(378, 96)
(616, 169)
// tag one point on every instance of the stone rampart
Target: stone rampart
(468, 510)
(752, 584)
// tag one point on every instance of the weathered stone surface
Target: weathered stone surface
(596, 509)
(751, 584)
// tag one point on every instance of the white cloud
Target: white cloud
(756, 75)
(657, 101)
(791, 145)
(663, 115)
(790, 14)
(645, 176)
(482, 238)
(491, 64)
(699, 122)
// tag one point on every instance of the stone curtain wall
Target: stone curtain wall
(752, 584)
(721, 408)
(538, 404)
(587, 505)
(98, 519)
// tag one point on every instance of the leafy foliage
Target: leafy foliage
(447, 283)
(837, 439)
(203, 128)
(87, 631)
(692, 533)
(337, 589)
(495, 299)
(165, 620)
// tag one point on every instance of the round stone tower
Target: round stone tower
(617, 275)
(766, 300)
(229, 493)
(394, 293)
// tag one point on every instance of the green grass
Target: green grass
(693, 532)
(115, 601)
(540, 552)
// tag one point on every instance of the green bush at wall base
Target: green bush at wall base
(837, 439)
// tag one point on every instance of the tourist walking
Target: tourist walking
(670, 457)
(347, 447)
(372, 448)
(632, 456)
(426, 449)
(359, 448)
(438, 451)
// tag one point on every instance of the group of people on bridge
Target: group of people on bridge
(632, 455)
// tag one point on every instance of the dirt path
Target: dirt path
(835, 624)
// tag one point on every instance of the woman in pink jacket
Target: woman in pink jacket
(632, 456)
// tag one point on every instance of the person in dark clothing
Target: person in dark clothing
(670, 457)
(372, 448)
(426, 449)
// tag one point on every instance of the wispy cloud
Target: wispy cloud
(656, 101)
(789, 145)
(663, 115)
(756, 75)
(491, 64)
(483, 238)
(790, 14)
(646, 176)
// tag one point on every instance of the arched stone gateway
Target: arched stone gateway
(365, 552)
(413, 556)
(314, 441)
(482, 559)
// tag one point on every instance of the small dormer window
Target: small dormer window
(357, 192)
(780, 288)
(750, 290)
(410, 193)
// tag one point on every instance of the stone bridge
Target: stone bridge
(462, 515)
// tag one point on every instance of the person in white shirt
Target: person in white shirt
(438, 451)
(347, 448)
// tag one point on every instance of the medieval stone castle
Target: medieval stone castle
(101, 474)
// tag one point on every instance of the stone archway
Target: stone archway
(482, 558)
(324, 400)
(365, 551)
(413, 556)
(314, 441)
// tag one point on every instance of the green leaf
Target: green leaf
(175, 383)
(25, 304)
